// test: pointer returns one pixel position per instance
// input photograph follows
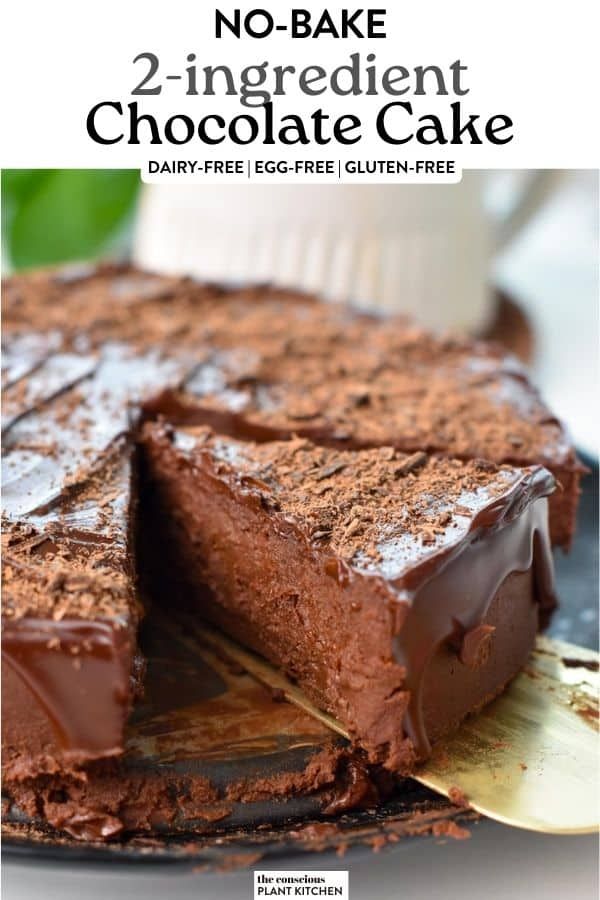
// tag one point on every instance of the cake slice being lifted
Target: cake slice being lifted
(400, 591)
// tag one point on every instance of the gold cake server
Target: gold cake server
(529, 759)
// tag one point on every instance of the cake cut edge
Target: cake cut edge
(354, 640)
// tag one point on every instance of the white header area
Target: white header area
(451, 86)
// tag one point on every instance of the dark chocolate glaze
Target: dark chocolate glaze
(79, 672)
(24, 353)
(58, 444)
(54, 375)
(453, 604)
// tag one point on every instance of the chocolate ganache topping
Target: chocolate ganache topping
(427, 541)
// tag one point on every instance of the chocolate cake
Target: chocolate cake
(207, 748)
(70, 610)
(359, 571)
(90, 353)
(266, 364)
(369, 383)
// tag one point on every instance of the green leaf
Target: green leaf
(17, 186)
(56, 215)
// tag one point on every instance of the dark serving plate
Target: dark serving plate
(294, 828)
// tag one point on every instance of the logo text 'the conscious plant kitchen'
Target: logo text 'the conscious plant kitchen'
(398, 121)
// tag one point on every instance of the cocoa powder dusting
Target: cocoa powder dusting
(381, 505)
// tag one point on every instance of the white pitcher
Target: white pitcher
(422, 250)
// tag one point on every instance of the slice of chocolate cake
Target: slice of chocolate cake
(70, 617)
(400, 591)
(70, 611)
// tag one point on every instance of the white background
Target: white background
(551, 269)
(534, 60)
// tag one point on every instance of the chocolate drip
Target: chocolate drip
(79, 673)
(454, 603)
